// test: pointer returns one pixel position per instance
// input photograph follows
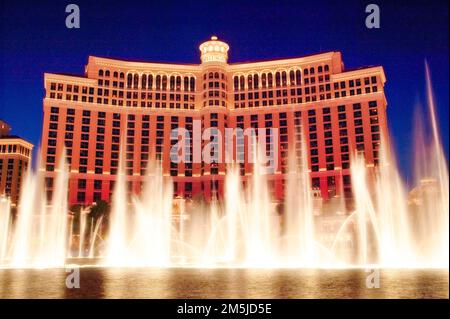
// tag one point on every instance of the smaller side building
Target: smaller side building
(15, 156)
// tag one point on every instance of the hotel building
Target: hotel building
(15, 156)
(133, 106)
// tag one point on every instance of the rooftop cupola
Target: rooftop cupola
(214, 51)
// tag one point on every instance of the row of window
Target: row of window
(307, 94)
(186, 189)
(160, 134)
(277, 79)
(8, 168)
(266, 80)
(14, 148)
(161, 82)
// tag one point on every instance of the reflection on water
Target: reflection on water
(223, 283)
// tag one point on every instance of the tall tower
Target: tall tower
(15, 156)
(214, 57)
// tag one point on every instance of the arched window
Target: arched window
(107, 73)
(311, 70)
(284, 78)
(270, 80)
(264, 80)
(158, 82)
(277, 79)
(320, 69)
(192, 84)
(150, 81)
(144, 81)
(306, 72)
(216, 75)
(172, 83)
(115, 74)
(292, 77)
(136, 81)
(327, 68)
(250, 82)
(236, 83)
(256, 81)
(122, 75)
(186, 83)
(178, 83)
(129, 80)
(298, 77)
(100, 72)
(164, 83)
(210, 75)
(242, 82)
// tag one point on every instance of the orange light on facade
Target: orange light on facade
(340, 111)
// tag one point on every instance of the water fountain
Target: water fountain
(5, 221)
(299, 238)
(140, 233)
(244, 228)
(39, 238)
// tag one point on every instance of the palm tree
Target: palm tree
(101, 208)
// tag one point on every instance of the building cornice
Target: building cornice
(16, 141)
(363, 72)
(63, 78)
(281, 63)
(231, 67)
(142, 66)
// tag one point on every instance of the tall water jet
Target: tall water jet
(151, 245)
(117, 251)
(366, 221)
(233, 207)
(192, 235)
(298, 216)
(40, 234)
(55, 242)
(259, 226)
(440, 163)
(140, 232)
(422, 198)
(393, 219)
(5, 221)
(430, 198)
(24, 231)
(214, 246)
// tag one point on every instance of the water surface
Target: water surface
(96, 282)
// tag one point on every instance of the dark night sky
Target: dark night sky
(34, 40)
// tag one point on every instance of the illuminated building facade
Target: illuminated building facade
(140, 103)
(15, 156)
